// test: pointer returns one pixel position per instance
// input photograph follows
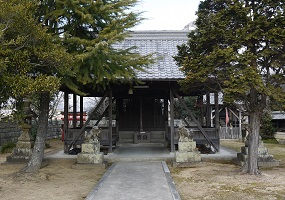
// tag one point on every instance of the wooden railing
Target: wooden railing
(230, 133)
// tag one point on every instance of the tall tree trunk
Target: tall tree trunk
(256, 106)
(253, 143)
(38, 151)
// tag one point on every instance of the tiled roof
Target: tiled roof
(278, 115)
(164, 45)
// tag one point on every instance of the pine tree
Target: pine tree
(31, 63)
(88, 29)
(238, 48)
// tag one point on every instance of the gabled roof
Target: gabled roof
(164, 45)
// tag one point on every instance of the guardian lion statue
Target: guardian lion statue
(93, 136)
(184, 134)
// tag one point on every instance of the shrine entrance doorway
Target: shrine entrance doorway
(142, 119)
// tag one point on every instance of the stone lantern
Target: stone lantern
(23, 151)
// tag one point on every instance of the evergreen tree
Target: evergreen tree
(34, 62)
(30, 63)
(238, 48)
(29, 60)
(180, 112)
(88, 29)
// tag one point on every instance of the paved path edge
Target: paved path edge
(93, 192)
(171, 184)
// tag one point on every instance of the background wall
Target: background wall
(9, 131)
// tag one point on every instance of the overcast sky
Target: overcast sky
(167, 14)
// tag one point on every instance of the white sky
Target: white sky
(166, 14)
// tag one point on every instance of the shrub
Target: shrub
(8, 147)
(267, 129)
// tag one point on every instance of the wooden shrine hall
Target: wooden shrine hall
(144, 113)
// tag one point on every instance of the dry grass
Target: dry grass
(223, 180)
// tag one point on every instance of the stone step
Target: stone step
(157, 140)
(136, 159)
(156, 136)
(127, 145)
(126, 141)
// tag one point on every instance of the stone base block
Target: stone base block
(268, 164)
(90, 158)
(280, 137)
(261, 150)
(90, 148)
(241, 157)
(267, 158)
(184, 157)
(22, 152)
(17, 159)
(23, 145)
(19, 155)
(186, 146)
(265, 164)
(244, 150)
(281, 141)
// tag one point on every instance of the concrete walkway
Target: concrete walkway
(146, 177)
(140, 152)
(135, 181)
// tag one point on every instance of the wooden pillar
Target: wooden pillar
(172, 121)
(141, 120)
(166, 114)
(239, 125)
(65, 122)
(118, 105)
(74, 111)
(154, 112)
(110, 122)
(208, 111)
(81, 111)
(217, 114)
(201, 108)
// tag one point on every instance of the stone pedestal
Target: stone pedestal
(187, 146)
(86, 158)
(280, 137)
(183, 157)
(264, 158)
(186, 154)
(23, 151)
(90, 153)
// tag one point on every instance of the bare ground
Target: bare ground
(223, 180)
(212, 179)
(57, 179)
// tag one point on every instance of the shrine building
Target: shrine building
(143, 111)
